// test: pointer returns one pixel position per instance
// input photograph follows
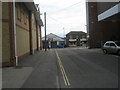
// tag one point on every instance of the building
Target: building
(0, 33)
(76, 38)
(103, 22)
(21, 31)
(53, 41)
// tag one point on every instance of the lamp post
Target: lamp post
(45, 31)
(87, 37)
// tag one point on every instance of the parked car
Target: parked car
(60, 46)
(111, 47)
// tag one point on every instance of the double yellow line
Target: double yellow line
(65, 78)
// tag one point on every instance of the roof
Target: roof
(31, 6)
(53, 37)
(76, 32)
(112, 41)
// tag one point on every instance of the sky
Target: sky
(63, 16)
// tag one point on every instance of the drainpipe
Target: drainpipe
(14, 17)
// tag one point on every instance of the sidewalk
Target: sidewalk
(15, 77)
(34, 71)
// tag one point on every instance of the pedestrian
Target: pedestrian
(49, 46)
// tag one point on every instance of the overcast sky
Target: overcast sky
(63, 16)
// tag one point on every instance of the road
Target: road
(89, 69)
(72, 68)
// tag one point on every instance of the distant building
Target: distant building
(103, 22)
(76, 38)
(27, 26)
(53, 41)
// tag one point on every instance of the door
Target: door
(113, 48)
(107, 47)
(54, 44)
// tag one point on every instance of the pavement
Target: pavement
(38, 67)
(15, 77)
(75, 67)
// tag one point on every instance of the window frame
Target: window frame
(107, 45)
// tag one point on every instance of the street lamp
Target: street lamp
(45, 31)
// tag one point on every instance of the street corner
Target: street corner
(15, 77)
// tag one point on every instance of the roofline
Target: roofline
(75, 32)
(53, 34)
(31, 6)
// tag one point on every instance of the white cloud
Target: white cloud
(70, 14)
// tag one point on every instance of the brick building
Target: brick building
(103, 19)
(76, 38)
(20, 35)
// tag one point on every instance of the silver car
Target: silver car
(111, 47)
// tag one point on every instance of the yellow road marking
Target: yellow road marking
(65, 78)
(61, 69)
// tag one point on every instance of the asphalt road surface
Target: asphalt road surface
(72, 68)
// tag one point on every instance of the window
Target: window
(70, 36)
(77, 36)
(118, 43)
(19, 12)
(22, 15)
(25, 19)
(112, 44)
(83, 36)
(107, 44)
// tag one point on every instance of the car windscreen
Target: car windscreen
(118, 43)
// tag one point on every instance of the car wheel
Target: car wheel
(119, 52)
(105, 51)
